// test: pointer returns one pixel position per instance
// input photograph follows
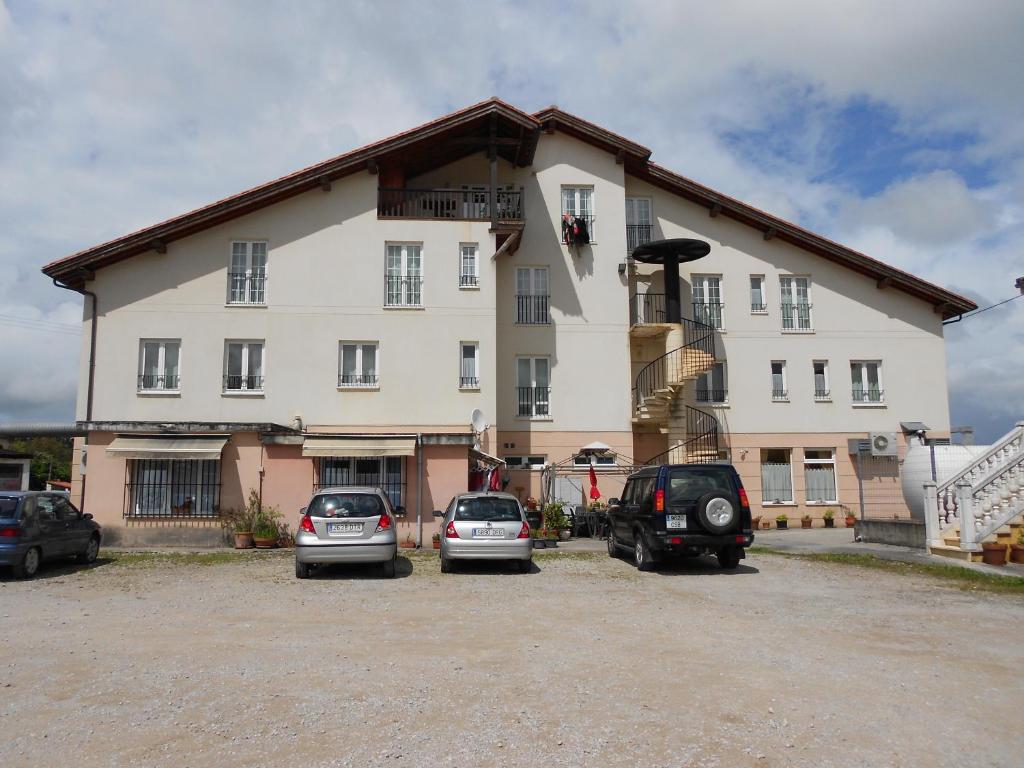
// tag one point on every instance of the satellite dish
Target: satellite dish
(478, 421)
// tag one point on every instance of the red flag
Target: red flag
(495, 483)
(594, 493)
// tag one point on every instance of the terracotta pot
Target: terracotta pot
(830, 522)
(437, 544)
(993, 553)
(766, 524)
(408, 544)
(243, 540)
(850, 520)
(262, 543)
(805, 523)
(1017, 553)
(782, 525)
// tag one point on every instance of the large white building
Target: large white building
(341, 323)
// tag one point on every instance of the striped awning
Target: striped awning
(169, 447)
(362, 445)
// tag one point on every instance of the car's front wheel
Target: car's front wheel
(27, 565)
(613, 548)
(729, 557)
(302, 570)
(92, 551)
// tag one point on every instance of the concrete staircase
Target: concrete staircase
(950, 547)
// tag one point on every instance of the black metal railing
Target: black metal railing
(358, 380)
(701, 445)
(574, 235)
(387, 473)
(758, 306)
(534, 401)
(646, 308)
(403, 291)
(234, 382)
(532, 309)
(712, 395)
(709, 313)
(822, 394)
(247, 287)
(868, 395)
(468, 281)
(464, 204)
(796, 317)
(155, 383)
(469, 382)
(637, 234)
(780, 394)
(698, 346)
(163, 488)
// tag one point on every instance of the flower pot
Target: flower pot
(262, 542)
(830, 523)
(766, 524)
(539, 544)
(408, 544)
(564, 535)
(1017, 553)
(437, 544)
(782, 525)
(993, 553)
(850, 520)
(805, 523)
(243, 540)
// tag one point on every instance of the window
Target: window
(821, 386)
(601, 461)
(638, 222)
(866, 378)
(468, 273)
(524, 462)
(159, 365)
(404, 277)
(820, 475)
(243, 366)
(711, 385)
(469, 365)
(533, 387)
(776, 476)
(532, 296)
(779, 391)
(386, 473)
(796, 303)
(173, 488)
(757, 299)
(358, 364)
(579, 202)
(247, 278)
(707, 300)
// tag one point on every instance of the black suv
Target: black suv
(682, 509)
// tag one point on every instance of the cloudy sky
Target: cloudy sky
(897, 129)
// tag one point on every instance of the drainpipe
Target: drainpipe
(92, 368)
(419, 489)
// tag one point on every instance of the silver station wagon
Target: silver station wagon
(485, 526)
(348, 524)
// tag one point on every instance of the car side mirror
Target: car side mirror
(438, 513)
(613, 502)
(302, 512)
(399, 511)
(87, 515)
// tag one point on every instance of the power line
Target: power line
(984, 309)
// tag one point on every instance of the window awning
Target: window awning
(170, 447)
(486, 458)
(362, 445)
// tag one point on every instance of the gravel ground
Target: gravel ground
(582, 662)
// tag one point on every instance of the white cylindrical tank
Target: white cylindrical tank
(931, 462)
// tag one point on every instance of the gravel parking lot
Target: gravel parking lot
(167, 661)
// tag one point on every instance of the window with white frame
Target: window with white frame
(712, 386)
(758, 303)
(532, 298)
(469, 276)
(780, 392)
(533, 387)
(776, 476)
(707, 300)
(600, 461)
(821, 382)
(866, 380)
(243, 366)
(404, 275)
(796, 303)
(579, 203)
(469, 365)
(247, 278)
(524, 462)
(358, 364)
(638, 222)
(820, 475)
(159, 365)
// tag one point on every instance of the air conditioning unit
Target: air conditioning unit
(884, 444)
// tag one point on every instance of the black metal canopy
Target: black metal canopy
(670, 253)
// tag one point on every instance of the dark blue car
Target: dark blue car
(37, 526)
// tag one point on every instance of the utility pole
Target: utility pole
(1020, 284)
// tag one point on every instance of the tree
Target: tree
(51, 458)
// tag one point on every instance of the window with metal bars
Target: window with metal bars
(170, 488)
(384, 472)
(247, 276)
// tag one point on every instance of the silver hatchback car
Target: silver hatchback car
(347, 524)
(485, 526)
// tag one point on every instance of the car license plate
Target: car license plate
(675, 521)
(340, 529)
(489, 533)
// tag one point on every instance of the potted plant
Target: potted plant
(243, 521)
(539, 542)
(436, 539)
(993, 553)
(850, 519)
(829, 517)
(766, 523)
(805, 521)
(755, 522)
(266, 527)
(782, 522)
(407, 542)
(1017, 550)
(285, 537)
(555, 520)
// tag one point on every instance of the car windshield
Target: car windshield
(346, 505)
(485, 510)
(8, 507)
(686, 486)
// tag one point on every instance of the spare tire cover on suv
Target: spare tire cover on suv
(717, 512)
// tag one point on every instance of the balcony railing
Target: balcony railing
(796, 317)
(646, 308)
(822, 394)
(462, 204)
(534, 401)
(758, 306)
(468, 281)
(154, 383)
(637, 234)
(709, 313)
(712, 395)
(532, 309)
(247, 287)
(469, 382)
(358, 380)
(403, 291)
(242, 383)
(868, 395)
(780, 394)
